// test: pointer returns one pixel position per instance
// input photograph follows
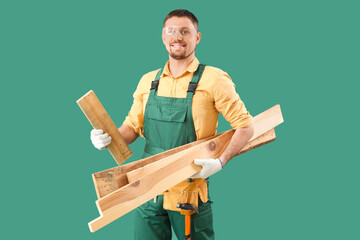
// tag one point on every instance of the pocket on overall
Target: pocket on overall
(203, 220)
(172, 131)
(167, 114)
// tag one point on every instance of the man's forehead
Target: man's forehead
(180, 22)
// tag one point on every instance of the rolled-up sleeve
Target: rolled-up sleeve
(135, 118)
(229, 104)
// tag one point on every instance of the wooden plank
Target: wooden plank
(208, 149)
(140, 173)
(112, 179)
(263, 139)
(267, 120)
(262, 123)
(119, 210)
(131, 196)
(99, 119)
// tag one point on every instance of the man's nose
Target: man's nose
(178, 35)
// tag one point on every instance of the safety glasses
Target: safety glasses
(183, 31)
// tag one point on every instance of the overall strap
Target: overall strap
(155, 83)
(193, 84)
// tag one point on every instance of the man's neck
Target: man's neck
(177, 67)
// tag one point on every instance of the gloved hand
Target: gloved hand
(99, 139)
(210, 166)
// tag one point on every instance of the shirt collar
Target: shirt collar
(191, 68)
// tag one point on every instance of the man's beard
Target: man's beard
(180, 56)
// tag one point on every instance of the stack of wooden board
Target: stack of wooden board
(124, 188)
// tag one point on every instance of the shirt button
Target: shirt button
(172, 94)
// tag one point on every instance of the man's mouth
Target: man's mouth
(178, 45)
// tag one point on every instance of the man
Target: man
(177, 105)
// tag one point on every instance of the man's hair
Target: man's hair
(183, 13)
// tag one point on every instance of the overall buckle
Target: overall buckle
(192, 87)
(154, 84)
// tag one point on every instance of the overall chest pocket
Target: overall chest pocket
(167, 113)
(167, 125)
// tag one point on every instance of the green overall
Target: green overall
(168, 123)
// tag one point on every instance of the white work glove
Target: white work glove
(210, 166)
(99, 139)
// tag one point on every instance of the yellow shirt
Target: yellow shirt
(215, 93)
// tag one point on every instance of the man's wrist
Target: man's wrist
(220, 163)
(224, 159)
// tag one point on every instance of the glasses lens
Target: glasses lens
(184, 31)
(170, 30)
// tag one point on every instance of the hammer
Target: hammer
(187, 210)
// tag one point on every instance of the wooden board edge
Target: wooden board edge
(96, 186)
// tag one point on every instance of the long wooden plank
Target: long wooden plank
(262, 123)
(99, 119)
(208, 149)
(119, 210)
(137, 193)
(140, 173)
(112, 179)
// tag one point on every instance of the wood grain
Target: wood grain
(150, 168)
(267, 120)
(99, 119)
(129, 197)
(163, 171)
(114, 178)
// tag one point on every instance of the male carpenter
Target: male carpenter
(177, 105)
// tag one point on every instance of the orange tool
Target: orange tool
(187, 210)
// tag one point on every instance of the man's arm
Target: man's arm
(237, 142)
(228, 103)
(128, 134)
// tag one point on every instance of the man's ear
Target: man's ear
(198, 37)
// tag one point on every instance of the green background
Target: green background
(303, 55)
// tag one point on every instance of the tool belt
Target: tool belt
(186, 192)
